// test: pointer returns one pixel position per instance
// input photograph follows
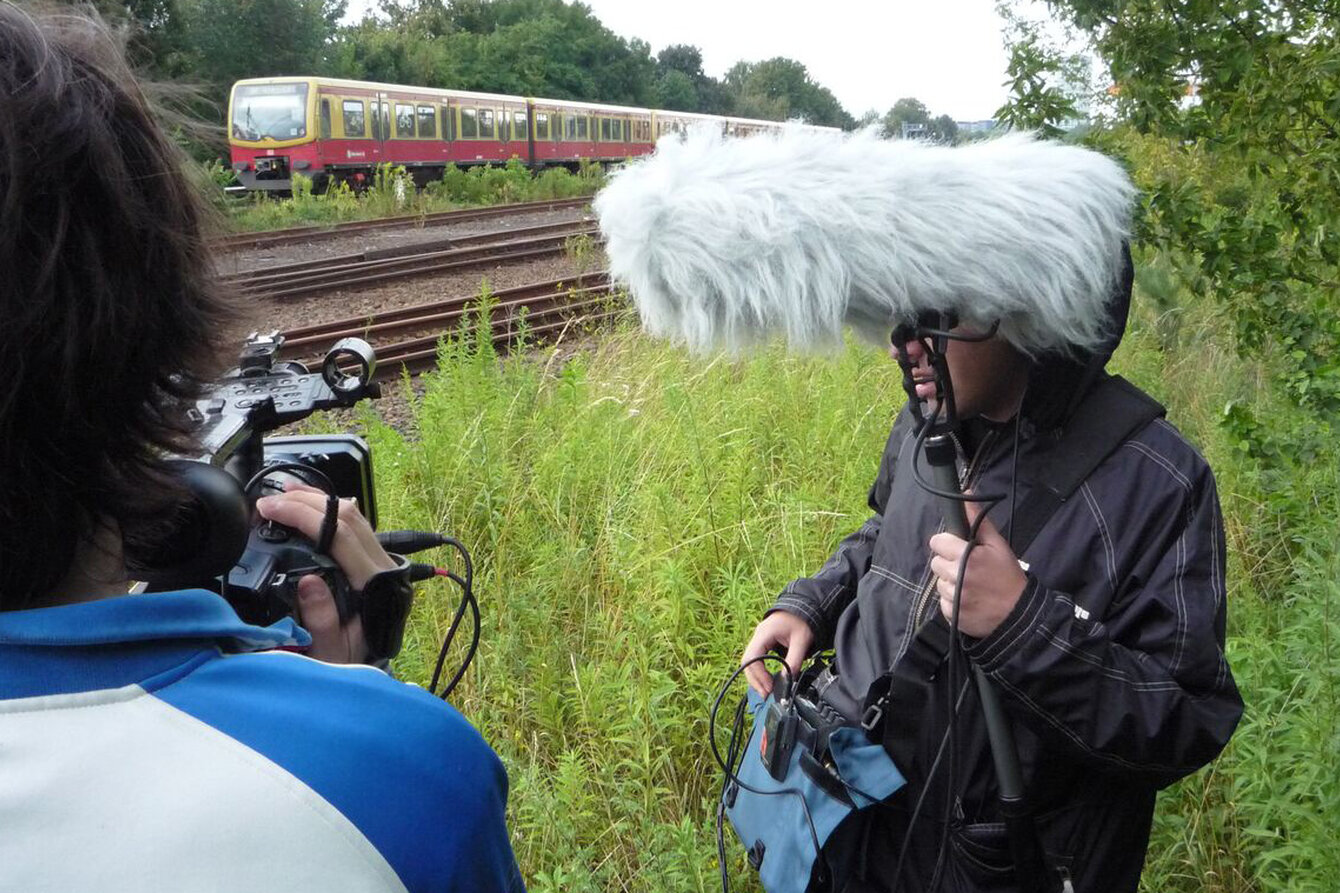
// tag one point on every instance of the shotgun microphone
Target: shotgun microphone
(727, 242)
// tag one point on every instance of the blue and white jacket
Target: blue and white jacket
(156, 742)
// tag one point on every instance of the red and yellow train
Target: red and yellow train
(335, 130)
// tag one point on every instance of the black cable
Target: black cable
(729, 770)
(474, 637)
(921, 798)
(733, 753)
(950, 738)
(467, 599)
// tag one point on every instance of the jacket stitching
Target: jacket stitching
(1179, 594)
(1163, 461)
(1109, 551)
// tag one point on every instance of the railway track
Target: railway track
(409, 261)
(411, 221)
(406, 338)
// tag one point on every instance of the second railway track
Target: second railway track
(423, 259)
(406, 338)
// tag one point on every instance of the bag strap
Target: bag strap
(1110, 413)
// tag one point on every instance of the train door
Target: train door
(380, 110)
(529, 113)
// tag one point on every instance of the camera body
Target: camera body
(218, 542)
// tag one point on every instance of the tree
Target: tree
(157, 39)
(1242, 100)
(944, 129)
(907, 110)
(1036, 101)
(676, 90)
(681, 83)
(779, 89)
(535, 47)
(683, 58)
(234, 39)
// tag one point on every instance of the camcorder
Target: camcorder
(218, 541)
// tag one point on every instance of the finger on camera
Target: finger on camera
(354, 547)
(332, 641)
(306, 512)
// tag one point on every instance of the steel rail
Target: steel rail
(538, 310)
(373, 272)
(243, 278)
(419, 354)
(403, 319)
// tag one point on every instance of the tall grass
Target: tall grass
(632, 512)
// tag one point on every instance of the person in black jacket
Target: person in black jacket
(1105, 643)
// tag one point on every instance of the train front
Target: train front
(271, 132)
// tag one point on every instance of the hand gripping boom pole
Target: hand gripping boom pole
(940, 452)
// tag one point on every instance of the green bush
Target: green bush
(391, 193)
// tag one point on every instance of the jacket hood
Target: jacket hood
(1057, 382)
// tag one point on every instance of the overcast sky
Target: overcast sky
(870, 53)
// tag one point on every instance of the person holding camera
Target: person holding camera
(155, 741)
(1105, 643)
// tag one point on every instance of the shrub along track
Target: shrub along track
(411, 221)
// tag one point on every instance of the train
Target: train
(332, 130)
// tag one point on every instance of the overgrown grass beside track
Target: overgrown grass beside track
(392, 194)
(632, 511)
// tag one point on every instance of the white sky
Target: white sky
(870, 53)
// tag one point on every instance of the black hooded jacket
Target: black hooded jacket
(1110, 667)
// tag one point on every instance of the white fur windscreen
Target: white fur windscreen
(726, 242)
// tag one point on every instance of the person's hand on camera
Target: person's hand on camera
(778, 630)
(354, 548)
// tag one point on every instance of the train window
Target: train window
(428, 121)
(486, 124)
(519, 125)
(353, 118)
(384, 114)
(404, 120)
(504, 127)
(583, 128)
(604, 128)
(325, 119)
(541, 126)
(469, 123)
(569, 127)
(448, 123)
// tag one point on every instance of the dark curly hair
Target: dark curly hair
(108, 301)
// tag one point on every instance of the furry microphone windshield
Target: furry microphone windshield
(726, 242)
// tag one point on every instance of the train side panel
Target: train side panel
(338, 130)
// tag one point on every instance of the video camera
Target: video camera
(218, 543)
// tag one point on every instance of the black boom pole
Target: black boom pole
(1030, 870)
(933, 332)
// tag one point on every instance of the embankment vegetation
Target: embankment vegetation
(392, 193)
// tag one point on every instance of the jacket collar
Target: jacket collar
(188, 614)
(125, 640)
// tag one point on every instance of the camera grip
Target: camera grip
(384, 604)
